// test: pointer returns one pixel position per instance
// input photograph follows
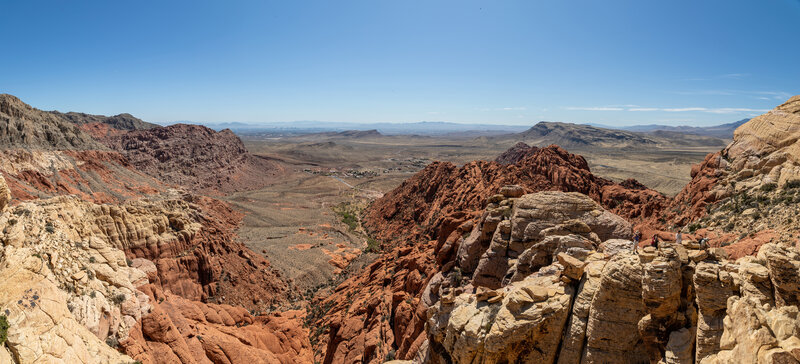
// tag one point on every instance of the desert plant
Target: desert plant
(792, 184)
(455, 277)
(118, 299)
(373, 246)
(49, 227)
(767, 187)
(3, 329)
(112, 342)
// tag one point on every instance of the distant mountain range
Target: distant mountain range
(724, 131)
(419, 128)
(582, 136)
(448, 129)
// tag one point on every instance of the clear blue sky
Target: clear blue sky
(507, 62)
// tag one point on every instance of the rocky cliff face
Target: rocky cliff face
(587, 299)
(46, 154)
(86, 283)
(194, 157)
(22, 126)
(746, 194)
(422, 224)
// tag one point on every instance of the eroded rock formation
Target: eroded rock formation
(90, 283)
(194, 157)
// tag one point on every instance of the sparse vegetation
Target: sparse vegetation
(767, 187)
(119, 298)
(112, 342)
(792, 184)
(347, 215)
(3, 329)
(373, 246)
(456, 277)
(693, 227)
(49, 227)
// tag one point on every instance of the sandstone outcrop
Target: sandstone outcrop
(421, 224)
(748, 187)
(194, 157)
(86, 283)
(650, 306)
(25, 127)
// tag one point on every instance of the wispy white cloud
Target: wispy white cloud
(761, 95)
(683, 109)
(595, 108)
(713, 110)
(515, 108)
(735, 76)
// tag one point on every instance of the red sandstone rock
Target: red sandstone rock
(419, 223)
(193, 157)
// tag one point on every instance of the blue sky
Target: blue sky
(506, 62)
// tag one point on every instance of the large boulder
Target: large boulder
(523, 326)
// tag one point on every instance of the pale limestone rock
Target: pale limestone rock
(65, 288)
(5, 193)
(680, 348)
(613, 247)
(712, 297)
(575, 330)
(612, 334)
(517, 329)
(542, 225)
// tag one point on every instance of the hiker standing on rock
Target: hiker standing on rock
(636, 237)
(678, 237)
(654, 242)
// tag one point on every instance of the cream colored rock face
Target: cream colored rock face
(674, 304)
(65, 284)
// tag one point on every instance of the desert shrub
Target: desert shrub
(792, 184)
(129, 262)
(391, 355)
(3, 329)
(693, 227)
(455, 277)
(112, 342)
(767, 187)
(118, 299)
(373, 246)
(729, 226)
(49, 227)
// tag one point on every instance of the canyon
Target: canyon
(125, 241)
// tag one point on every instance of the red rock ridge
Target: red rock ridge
(380, 308)
(194, 157)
